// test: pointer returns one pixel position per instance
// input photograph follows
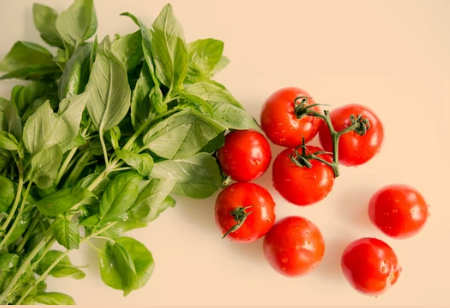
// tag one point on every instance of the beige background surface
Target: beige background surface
(393, 56)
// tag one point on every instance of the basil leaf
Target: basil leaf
(169, 49)
(156, 100)
(9, 119)
(223, 62)
(124, 225)
(181, 135)
(232, 117)
(28, 61)
(153, 200)
(214, 144)
(91, 221)
(196, 100)
(128, 49)
(119, 196)
(66, 233)
(204, 55)
(8, 260)
(78, 22)
(54, 298)
(44, 166)
(24, 96)
(8, 142)
(76, 72)
(117, 268)
(45, 129)
(44, 20)
(126, 265)
(197, 176)
(141, 109)
(7, 193)
(213, 93)
(20, 228)
(61, 59)
(63, 268)
(100, 188)
(107, 89)
(63, 200)
(143, 163)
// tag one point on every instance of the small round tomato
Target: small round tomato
(302, 185)
(280, 123)
(370, 266)
(244, 212)
(245, 155)
(354, 149)
(398, 210)
(294, 246)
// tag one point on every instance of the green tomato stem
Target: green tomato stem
(16, 202)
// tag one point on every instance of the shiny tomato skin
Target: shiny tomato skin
(280, 123)
(370, 266)
(302, 185)
(243, 194)
(354, 150)
(294, 246)
(245, 156)
(399, 211)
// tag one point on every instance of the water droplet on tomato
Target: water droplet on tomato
(282, 139)
(308, 241)
(258, 162)
(397, 201)
(285, 260)
(287, 180)
(283, 131)
(291, 127)
(283, 268)
(231, 189)
(394, 211)
(383, 269)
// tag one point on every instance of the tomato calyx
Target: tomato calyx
(240, 215)
(358, 124)
(301, 159)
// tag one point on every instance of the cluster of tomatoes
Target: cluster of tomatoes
(303, 174)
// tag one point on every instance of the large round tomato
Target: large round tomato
(354, 149)
(302, 185)
(399, 211)
(280, 123)
(248, 205)
(370, 266)
(245, 155)
(294, 246)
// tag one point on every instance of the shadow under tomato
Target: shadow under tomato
(330, 267)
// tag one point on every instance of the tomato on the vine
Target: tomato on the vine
(370, 266)
(400, 211)
(280, 123)
(301, 185)
(245, 156)
(294, 246)
(354, 149)
(244, 212)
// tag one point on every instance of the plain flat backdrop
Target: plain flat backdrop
(393, 56)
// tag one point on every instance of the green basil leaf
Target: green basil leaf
(4, 160)
(143, 163)
(108, 89)
(78, 22)
(91, 221)
(33, 242)
(7, 193)
(100, 188)
(123, 226)
(61, 59)
(157, 101)
(9, 119)
(212, 92)
(45, 129)
(8, 142)
(45, 21)
(223, 62)
(28, 61)
(54, 298)
(63, 268)
(141, 108)
(119, 196)
(153, 200)
(205, 107)
(197, 176)
(126, 265)
(63, 200)
(8, 260)
(214, 144)
(66, 233)
(76, 72)
(44, 166)
(117, 268)
(232, 117)
(204, 55)
(20, 228)
(169, 49)
(128, 49)
(93, 53)
(181, 135)
(24, 96)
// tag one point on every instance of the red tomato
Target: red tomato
(399, 211)
(370, 266)
(302, 185)
(294, 246)
(248, 203)
(354, 149)
(280, 123)
(245, 156)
